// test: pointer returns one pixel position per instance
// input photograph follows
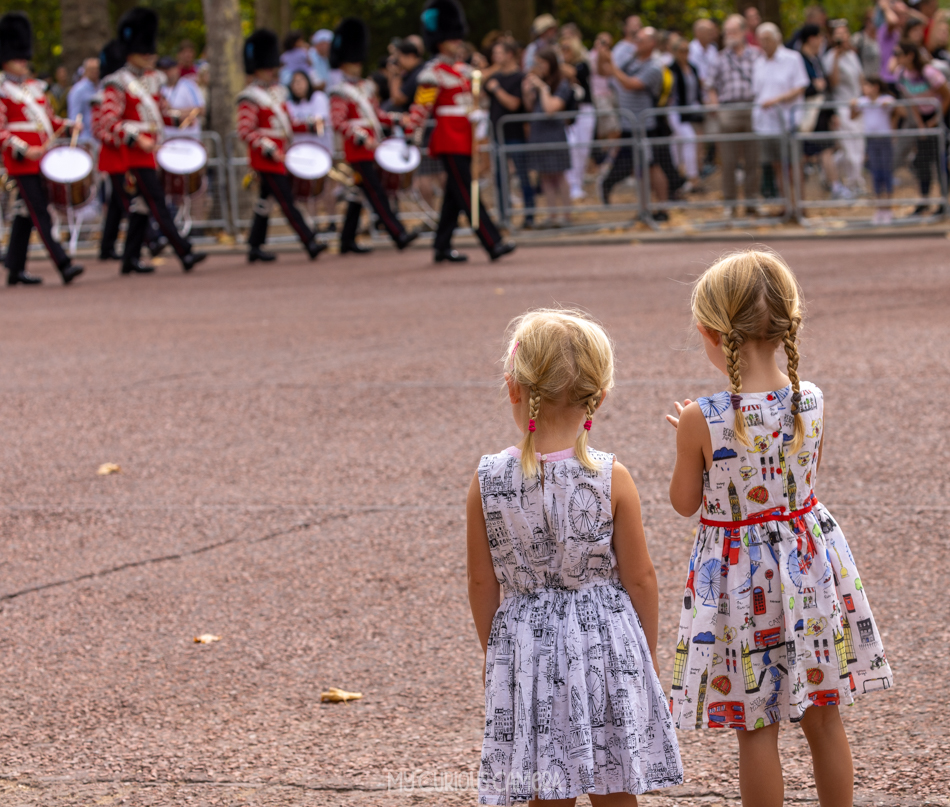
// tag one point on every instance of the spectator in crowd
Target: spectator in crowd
(779, 80)
(687, 91)
(380, 77)
(640, 82)
(814, 15)
(58, 91)
(306, 102)
(543, 35)
(546, 90)
(818, 119)
(580, 133)
(875, 110)
(894, 17)
(920, 81)
(79, 96)
(404, 75)
(703, 52)
(503, 88)
(184, 94)
(845, 74)
(319, 56)
(602, 92)
(938, 36)
(625, 49)
(665, 40)
(866, 47)
(186, 59)
(730, 86)
(296, 56)
(753, 19)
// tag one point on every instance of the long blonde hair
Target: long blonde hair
(752, 296)
(563, 358)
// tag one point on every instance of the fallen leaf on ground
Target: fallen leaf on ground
(207, 638)
(108, 468)
(334, 695)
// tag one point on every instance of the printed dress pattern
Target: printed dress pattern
(775, 618)
(572, 703)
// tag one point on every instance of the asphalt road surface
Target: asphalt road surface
(295, 444)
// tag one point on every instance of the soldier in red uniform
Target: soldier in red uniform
(265, 124)
(113, 160)
(445, 91)
(357, 116)
(133, 114)
(27, 130)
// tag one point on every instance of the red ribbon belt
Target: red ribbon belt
(778, 514)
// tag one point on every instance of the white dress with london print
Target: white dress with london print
(775, 618)
(572, 703)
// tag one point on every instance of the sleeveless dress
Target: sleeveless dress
(775, 618)
(572, 703)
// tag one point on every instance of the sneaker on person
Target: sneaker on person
(840, 191)
(886, 217)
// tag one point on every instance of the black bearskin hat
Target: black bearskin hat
(261, 51)
(138, 31)
(16, 37)
(442, 20)
(111, 58)
(350, 42)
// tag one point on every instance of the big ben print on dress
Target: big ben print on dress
(572, 703)
(773, 584)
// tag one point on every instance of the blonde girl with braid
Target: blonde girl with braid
(776, 625)
(562, 589)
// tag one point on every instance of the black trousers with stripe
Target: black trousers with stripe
(150, 189)
(458, 184)
(280, 188)
(32, 191)
(370, 182)
(117, 210)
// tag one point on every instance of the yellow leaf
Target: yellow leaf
(108, 468)
(207, 638)
(334, 695)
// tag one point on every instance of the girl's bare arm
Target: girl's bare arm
(484, 590)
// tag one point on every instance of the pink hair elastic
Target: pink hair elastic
(515, 348)
(588, 424)
(531, 425)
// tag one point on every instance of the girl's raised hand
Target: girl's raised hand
(675, 421)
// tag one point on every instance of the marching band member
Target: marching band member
(27, 131)
(113, 160)
(134, 114)
(357, 116)
(264, 123)
(444, 90)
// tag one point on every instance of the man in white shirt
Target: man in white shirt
(80, 95)
(625, 50)
(845, 79)
(779, 80)
(182, 93)
(702, 50)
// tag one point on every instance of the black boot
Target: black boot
(450, 255)
(109, 254)
(134, 238)
(406, 239)
(351, 222)
(501, 249)
(314, 248)
(192, 259)
(352, 246)
(257, 254)
(22, 278)
(135, 266)
(71, 272)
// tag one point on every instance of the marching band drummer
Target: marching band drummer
(264, 123)
(444, 90)
(27, 131)
(113, 160)
(134, 114)
(357, 116)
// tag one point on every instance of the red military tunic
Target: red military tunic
(133, 104)
(444, 92)
(357, 116)
(25, 120)
(112, 159)
(265, 124)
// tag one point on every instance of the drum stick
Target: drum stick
(189, 118)
(318, 123)
(476, 91)
(76, 125)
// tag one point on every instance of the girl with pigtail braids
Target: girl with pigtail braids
(556, 525)
(747, 458)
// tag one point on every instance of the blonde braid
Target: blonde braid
(730, 346)
(580, 446)
(529, 462)
(791, 351)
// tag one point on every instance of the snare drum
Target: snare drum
(183, 162)
(397, 160)
(68, 171)
(308, 165)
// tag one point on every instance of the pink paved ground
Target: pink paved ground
(296, 442)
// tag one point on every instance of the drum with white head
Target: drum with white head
(308, 164)
(183, 162)
(398, 161)
(68, 171)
